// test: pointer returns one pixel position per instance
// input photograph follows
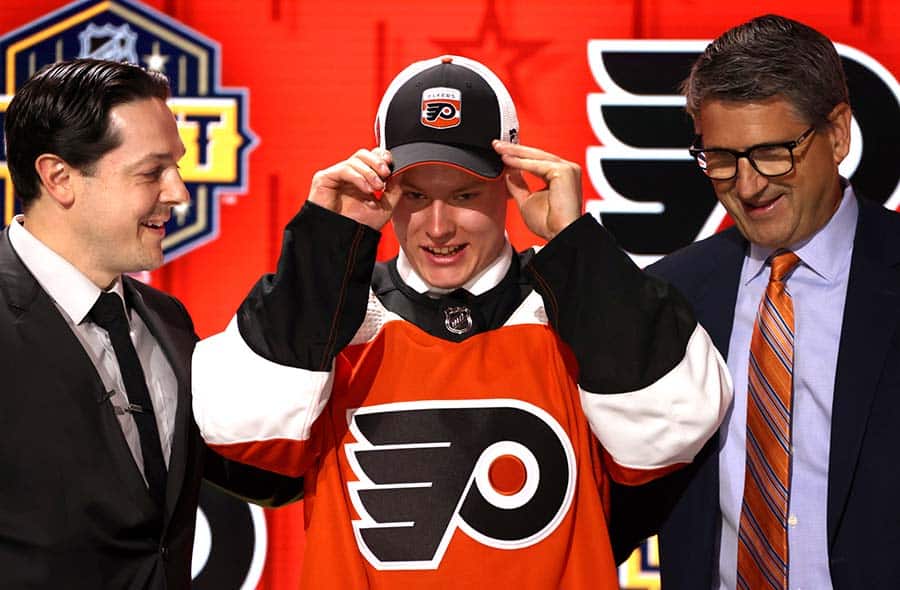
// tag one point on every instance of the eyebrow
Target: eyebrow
(154, 157)
(407, 185)
(699, 138)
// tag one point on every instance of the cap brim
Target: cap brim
(481, 163)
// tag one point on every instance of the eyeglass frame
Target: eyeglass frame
(789, 145)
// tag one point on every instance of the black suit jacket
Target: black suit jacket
(74, 509)
(863, 518)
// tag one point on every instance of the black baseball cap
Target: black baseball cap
(446, 110)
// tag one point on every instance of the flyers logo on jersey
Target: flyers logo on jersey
(441, 108)
(500, 471)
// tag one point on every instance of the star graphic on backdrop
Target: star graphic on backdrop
(156, 61)
(492, 47)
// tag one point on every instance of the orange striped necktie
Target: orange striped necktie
(762, 537)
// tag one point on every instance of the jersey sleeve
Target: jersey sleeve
(260, 385)
(652, 385)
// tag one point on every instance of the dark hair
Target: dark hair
(770, 56)
(64, 110)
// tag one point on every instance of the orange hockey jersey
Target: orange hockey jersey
(463, 441)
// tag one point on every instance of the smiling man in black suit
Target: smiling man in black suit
(100, 459)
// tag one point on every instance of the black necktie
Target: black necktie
(109, 313)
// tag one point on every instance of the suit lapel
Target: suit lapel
(39, 322)
(177, 346)
(715, 312)
(715, 303)
(709, 279)
(871, 317)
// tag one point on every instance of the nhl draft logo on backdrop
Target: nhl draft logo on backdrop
(441, 108)
(212, 121)
(501, 471)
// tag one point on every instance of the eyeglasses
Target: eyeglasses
(769, 159)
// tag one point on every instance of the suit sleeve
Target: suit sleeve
(652, 385)
(249, 483)
(260, 385)
(243, 481)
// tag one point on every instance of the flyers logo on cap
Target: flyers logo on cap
(441, 108)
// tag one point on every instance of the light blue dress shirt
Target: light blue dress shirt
(818, 286)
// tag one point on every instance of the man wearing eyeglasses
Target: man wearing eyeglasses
(798, 490)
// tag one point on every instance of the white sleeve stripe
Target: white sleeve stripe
(530, 311)
(240, 396)
(669, 421)
(376, 318)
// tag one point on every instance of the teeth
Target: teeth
(445, 250)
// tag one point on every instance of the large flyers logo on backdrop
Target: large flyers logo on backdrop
(653, 197)
(212, 120)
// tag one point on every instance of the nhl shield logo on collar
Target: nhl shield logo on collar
(441, 108)
(458, 320)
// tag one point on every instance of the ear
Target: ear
(839, 131)
(57, 178)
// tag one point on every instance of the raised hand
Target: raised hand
(549, 210)
(355, 188)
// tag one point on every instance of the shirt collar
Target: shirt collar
(484, 281)
(73, 292)
(827, 251)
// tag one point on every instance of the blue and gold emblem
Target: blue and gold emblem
(212, 121)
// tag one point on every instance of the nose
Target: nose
(748, 182)
(441, 225)
(174, 191)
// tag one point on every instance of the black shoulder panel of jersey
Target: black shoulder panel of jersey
(446, 316)
(306, 312)
(626, 327)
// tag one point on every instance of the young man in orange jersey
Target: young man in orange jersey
(457, 412)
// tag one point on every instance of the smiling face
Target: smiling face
(450, 224)
(122, 203)
(780, 211)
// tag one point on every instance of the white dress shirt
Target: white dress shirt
(484, 281)
(74, 295)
